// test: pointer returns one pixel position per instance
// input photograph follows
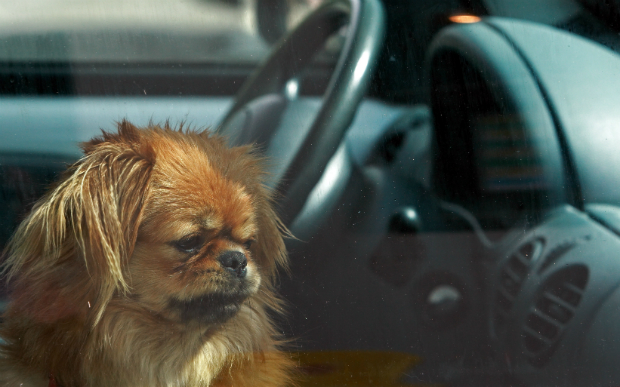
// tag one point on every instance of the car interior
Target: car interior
(452, 187)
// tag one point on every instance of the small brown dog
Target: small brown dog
(151, 263)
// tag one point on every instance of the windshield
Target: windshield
(135, 31)
(309, 193)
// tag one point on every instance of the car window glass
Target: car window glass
(136, 31)
(465, 230)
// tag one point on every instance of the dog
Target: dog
(151, 263)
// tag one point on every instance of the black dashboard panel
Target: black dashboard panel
(23, 179)
(495, 147)
(66, 78)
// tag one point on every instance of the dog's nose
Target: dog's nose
(235, 262)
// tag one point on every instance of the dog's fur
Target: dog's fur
(110, 289)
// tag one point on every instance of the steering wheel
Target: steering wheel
(267, 112)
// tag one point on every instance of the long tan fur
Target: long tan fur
(97, 272)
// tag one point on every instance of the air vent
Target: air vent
(555, 254)
(511, 278)
(555, 306)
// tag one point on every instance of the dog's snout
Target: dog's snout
(235, 262)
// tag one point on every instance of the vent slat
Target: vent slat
(543, 327)
(506, 295)
(511, 277)
(554, 255)
(516, 277)
(524, 260)
(560, 301)
(537, 335)
(574, 288)
(547, 318)
(555, 306)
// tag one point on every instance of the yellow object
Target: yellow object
(464, 19)
(353, 368)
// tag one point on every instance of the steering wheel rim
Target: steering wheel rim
(346, 88)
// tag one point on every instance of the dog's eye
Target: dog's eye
(190, 244)
(248, 244)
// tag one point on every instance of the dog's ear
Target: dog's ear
(91, 218)
(270, 248)
(112, 187)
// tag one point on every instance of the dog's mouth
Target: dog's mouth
(213, 308)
